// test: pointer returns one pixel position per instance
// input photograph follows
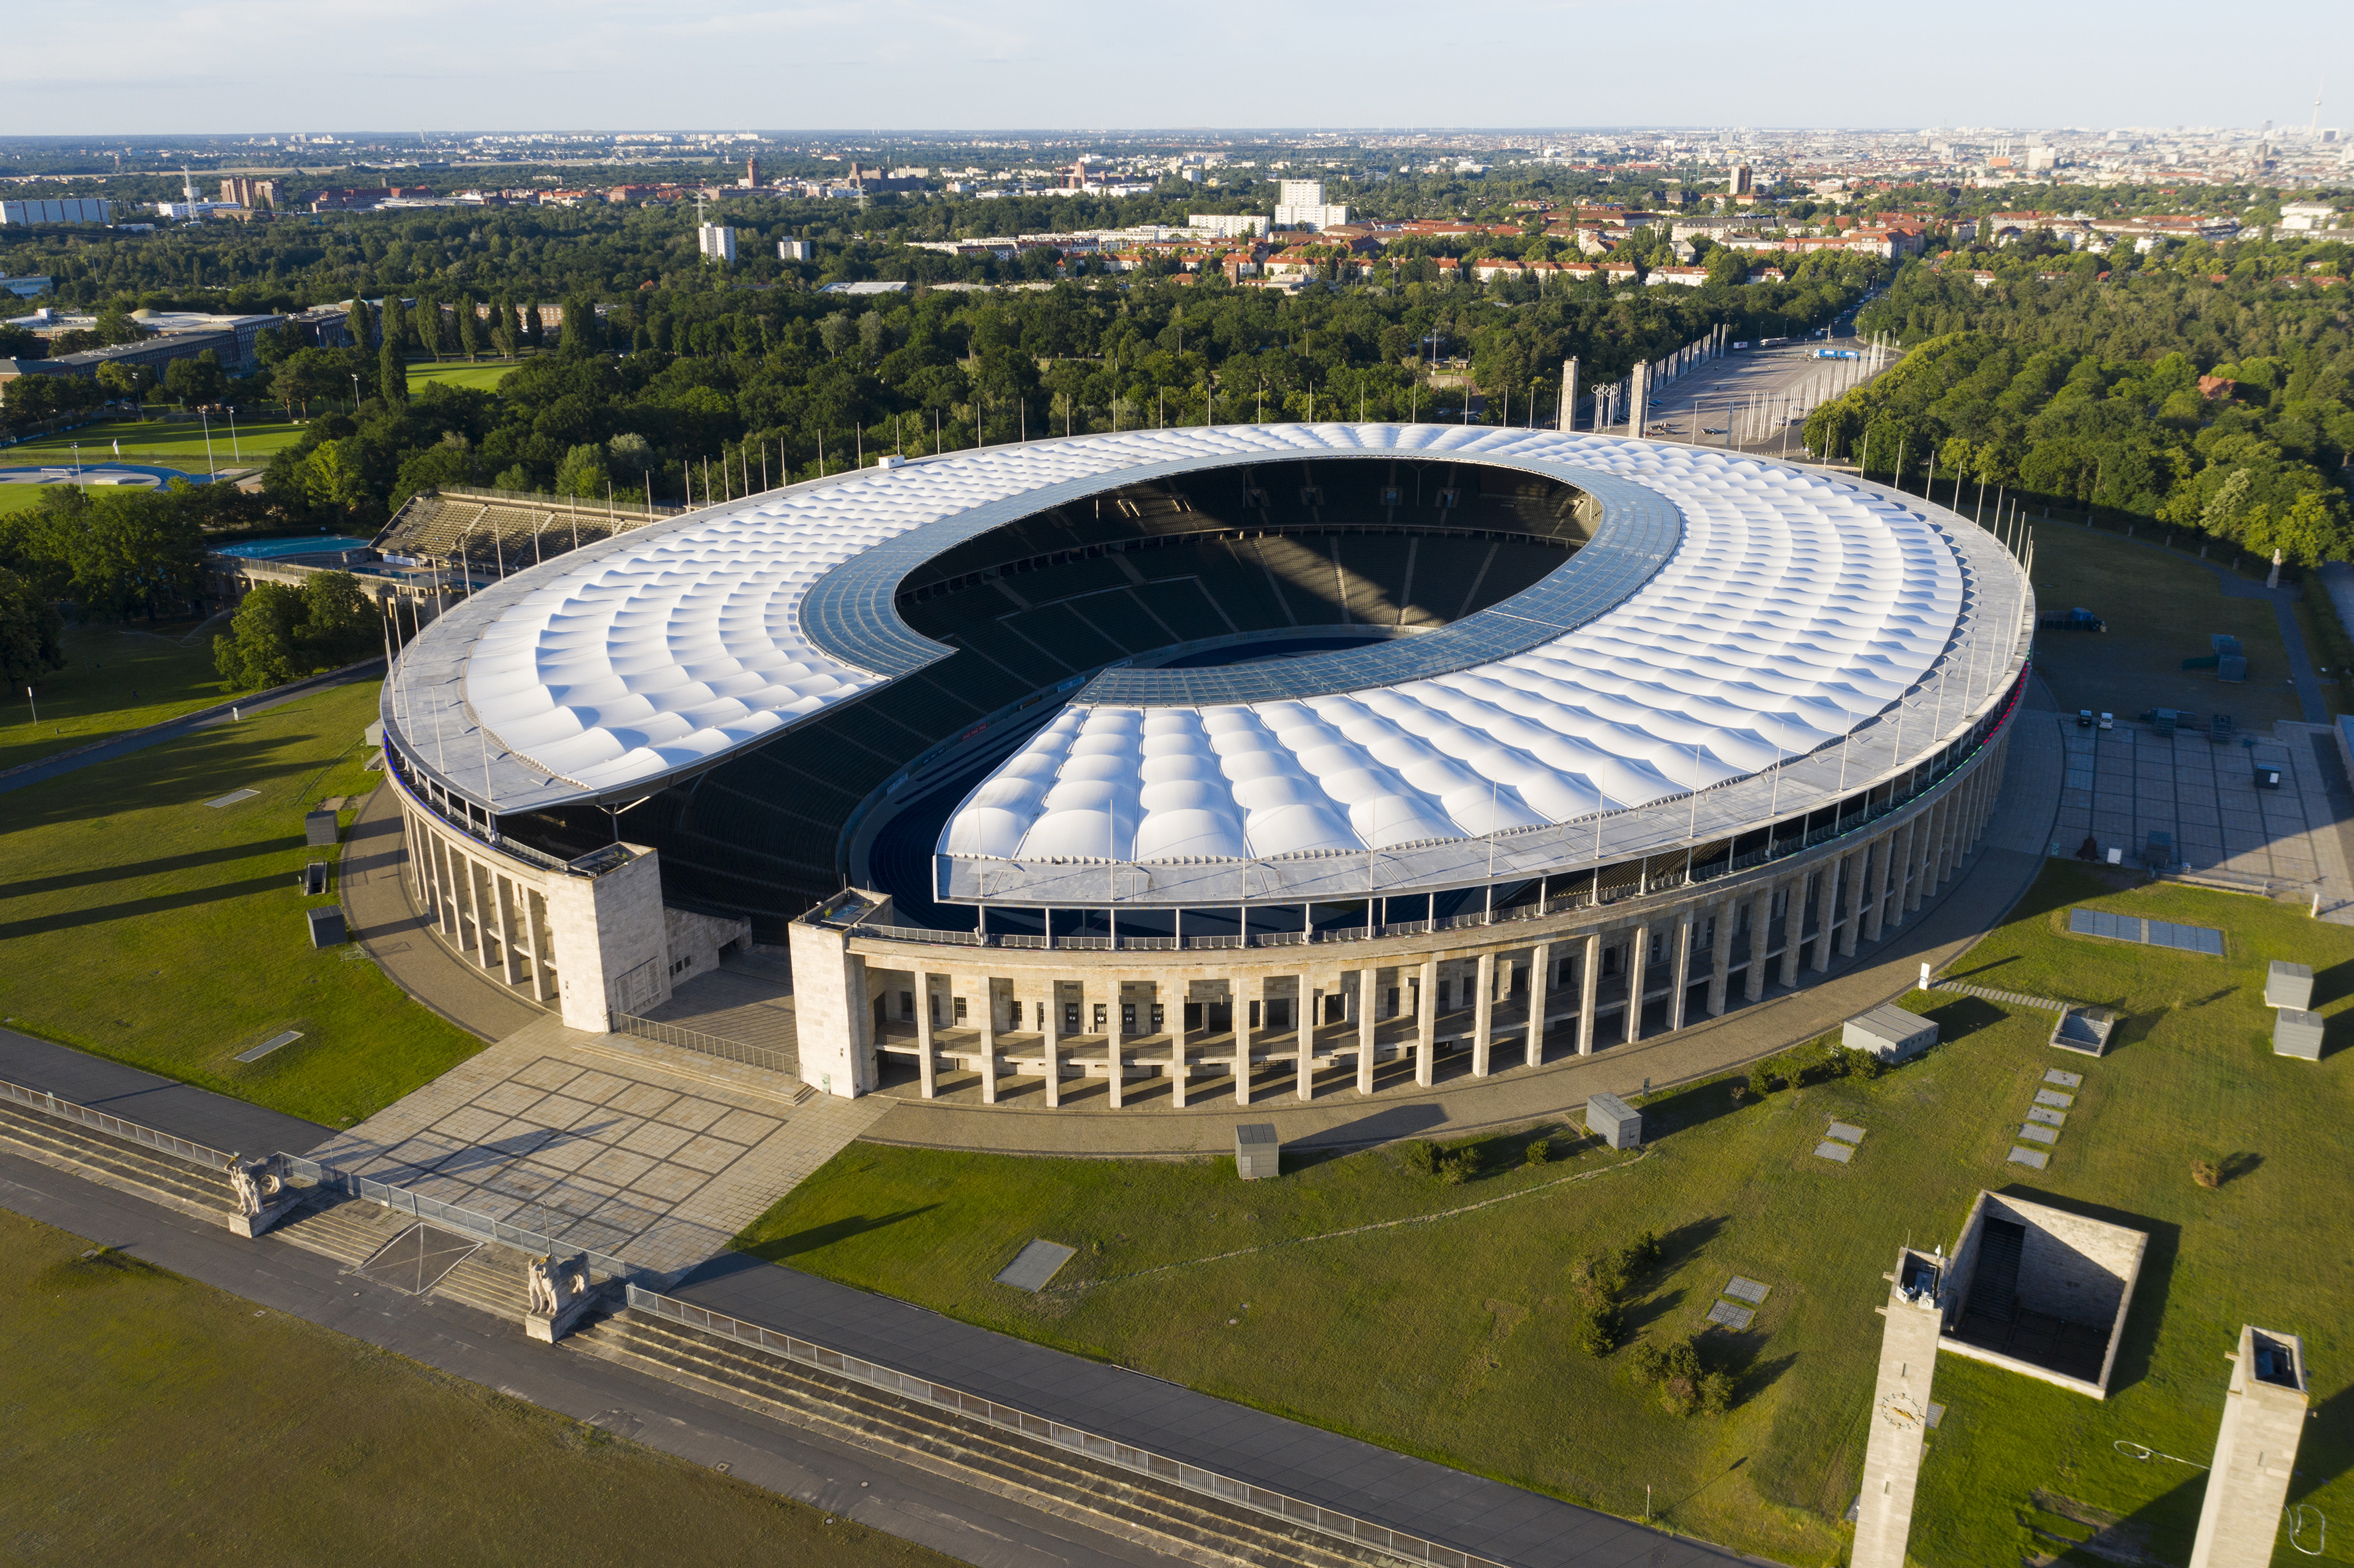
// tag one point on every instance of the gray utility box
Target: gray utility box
(318, 829)
(2296, 1033)
(326, 926)
(1258, 1155)
(2289, 985)
(1613, 1121)
(1889, 1032)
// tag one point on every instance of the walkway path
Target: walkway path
(50, 768)
(166, 1105)
(644, 1152)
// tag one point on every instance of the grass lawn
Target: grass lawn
(460, 373)
(152, 1419)
(1451, 1339)
(141, 924)
(2160, 609)
(172, 442)
(116, 679)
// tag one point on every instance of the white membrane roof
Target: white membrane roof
(1795, 608)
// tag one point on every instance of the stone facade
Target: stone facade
(2255, 1453)
(1506, 992)
(1899, 1412)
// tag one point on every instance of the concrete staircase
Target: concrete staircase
(353, 1230)
(1156, 1514)
(118, 1162)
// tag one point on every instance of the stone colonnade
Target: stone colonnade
(1267, 1018)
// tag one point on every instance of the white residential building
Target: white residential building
(719, 242)
(1227, 226)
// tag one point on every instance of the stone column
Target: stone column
(1483, 1016)
(1540, 994)
(1425, 1025)
(2255, 1453)
(1879, 853)
(926, 1070)
(1303, 1014)
(1899, 1416)
(1680, 969)
(1794, 925)
(1241, 1007)
(1916, 864)
(1857, 863)
(1639, 968)
(1721, 958)
(988, 999)
(1050, 1043)
(1900, 862)
(1761, 914)
(1826, 911)
(1116, 1038)
(1589, 992)
(1368, 1006)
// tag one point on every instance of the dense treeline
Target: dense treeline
(2162, 395)
(697, 393)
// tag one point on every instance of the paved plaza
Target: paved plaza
(650, 1153)
(2124, 784)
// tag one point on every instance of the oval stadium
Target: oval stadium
(1207, 762)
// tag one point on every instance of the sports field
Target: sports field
(143, 923)
(173, 443)
(154, 1420)
(117, 678)
(459, 374)
(1454, 1338)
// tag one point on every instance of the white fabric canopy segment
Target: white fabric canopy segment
(1794, 610)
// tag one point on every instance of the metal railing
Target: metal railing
(401, 1201)
(1008, 1418)
(686, 1038)
(114, 1126)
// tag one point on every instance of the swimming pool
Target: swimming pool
(307, 544)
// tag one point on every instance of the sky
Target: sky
(332, 66)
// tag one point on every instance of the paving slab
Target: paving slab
(2047, 1115)
(1842, 1153)
(2033, 1158)
(1746, 1290)
(1846, 1132)
(1035, 1265)
(2055, 1099)
(2066, 1080)
(2034, 1134)
(1730, 1316)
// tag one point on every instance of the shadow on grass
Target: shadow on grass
(155, 867)
(817, 1237)
(2160, 1530)
(1695, 1105)
(1382, 1127)
(1966, 974)
(1964, 1016)
(2151, 1290)
(2332, 984)
(66, 921)
(2232, 1166)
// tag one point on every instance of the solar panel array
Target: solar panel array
(2150, 933)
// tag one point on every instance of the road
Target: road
(1755, 400)
(965, 1522)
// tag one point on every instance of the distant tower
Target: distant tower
(1741, 183)
(752, 172)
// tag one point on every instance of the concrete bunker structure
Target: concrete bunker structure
(2041, 1291)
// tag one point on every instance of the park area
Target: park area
(1454, 1336)
(151, 1419)
(177, 441)
(152, 914)
(118, 677)
(480, 377)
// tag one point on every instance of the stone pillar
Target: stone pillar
(1483, 1016)
(1916, 864)
(1857, 863)
(988, 999)
(2255, 1451)
(1721, 958)
(1116, 1038)
(1680, 969)
(1899, 1416)
(926, 1070)
(1900, 864)
(1589, 992)
(1639, 969)
(1761, 914)
(1050, 1044)
(1881, 852)
(1540, 994)
(1794, 925)
(1826, 910)
(1240, 1005)
(1303, 1067)
(1425, 1025)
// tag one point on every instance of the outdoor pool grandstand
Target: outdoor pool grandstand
(1224, 710)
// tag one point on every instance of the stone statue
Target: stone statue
(560, 1293)
(256, 1183)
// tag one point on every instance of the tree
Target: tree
(282, 633)
(198, 380)
(582, 473)
(394, 325)
(356, 323)
(31, 633)
(470, 329)
(428, 326)
(392, 376)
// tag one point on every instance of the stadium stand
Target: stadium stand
(1042, 601)
(497, 531)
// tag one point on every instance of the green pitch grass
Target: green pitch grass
(175, 442)
(458, 372)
